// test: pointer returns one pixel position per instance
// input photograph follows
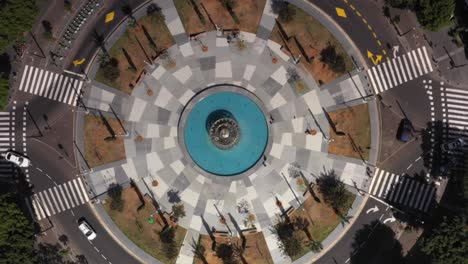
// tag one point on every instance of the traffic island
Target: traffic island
(219, 249)
(143, 41)
(102, 140)
(197, 16)
(305, 39)
(139, 220)
(304, 229)
(350, 132)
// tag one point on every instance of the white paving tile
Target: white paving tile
(183, 74)
(223, 69)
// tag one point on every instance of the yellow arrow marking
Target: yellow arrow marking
(375, 60)
(340, 12)
(78, 62)
(110, 17)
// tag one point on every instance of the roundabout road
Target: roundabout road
(51, 130)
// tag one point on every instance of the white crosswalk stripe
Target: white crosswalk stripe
(455, 117)
(50, 85)
(7, 142)
(399, 70)
(401, 190)
(58, 199)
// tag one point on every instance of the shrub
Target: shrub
(334, 60)
(115, 194)
(287, 13)
(224, 252)
(167, 235)
(110, 68)
(291, 246)
(333, 190)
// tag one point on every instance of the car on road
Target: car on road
(453, 145)
(404, 133)
(86, 229)
(17, 159)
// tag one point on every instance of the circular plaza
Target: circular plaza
(224, 133)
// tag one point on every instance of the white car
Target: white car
(86, 230)
(17, 159)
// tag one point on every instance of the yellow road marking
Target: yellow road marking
(110, 17)
(358, 14)
(369, 27)
(364, 20)
(384, 52)
(373, 34)
(340, 12)
(352, 7)
(378, 42)
(78, 62)
(375, 60)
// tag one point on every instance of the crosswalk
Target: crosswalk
(455, 115)
(51, 85)
(7, 141)
(402, 190)
(59, 198)
(400, 70)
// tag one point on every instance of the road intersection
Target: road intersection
(46, 97)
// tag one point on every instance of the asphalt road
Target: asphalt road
(59, 162)
(346, 247)
(103, 249)
(85, 45)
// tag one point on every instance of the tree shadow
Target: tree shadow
(174, 196)
(53, 254)
(376, 243)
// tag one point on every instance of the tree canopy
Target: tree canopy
(16, 234)
(18, 16)
(435, 14)
(448, 243)
(431, 14)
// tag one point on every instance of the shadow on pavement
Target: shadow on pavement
(376, 243)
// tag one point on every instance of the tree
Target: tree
(154, 12)
(226, 253)
(333, 190)
(115, 194)
(435, 14)
(18, 16)
(334, 60)
(178, 210)
(315, 246)
(47, 26)
(291, 246)
(287, 13)
(110, 68)
(410, 4)
(4, 87)
(16, 233)
(167, 235)
(448, 243)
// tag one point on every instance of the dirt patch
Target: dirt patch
(193, 23)
(355, 122)
(256, 250)
(307, 34)
(248, 13)
(134, 224)
(134, 47)
(322, 217)
(99, 151)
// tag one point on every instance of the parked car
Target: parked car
(86, 229)
(404, 133)
(453, 145)
(17, 159)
